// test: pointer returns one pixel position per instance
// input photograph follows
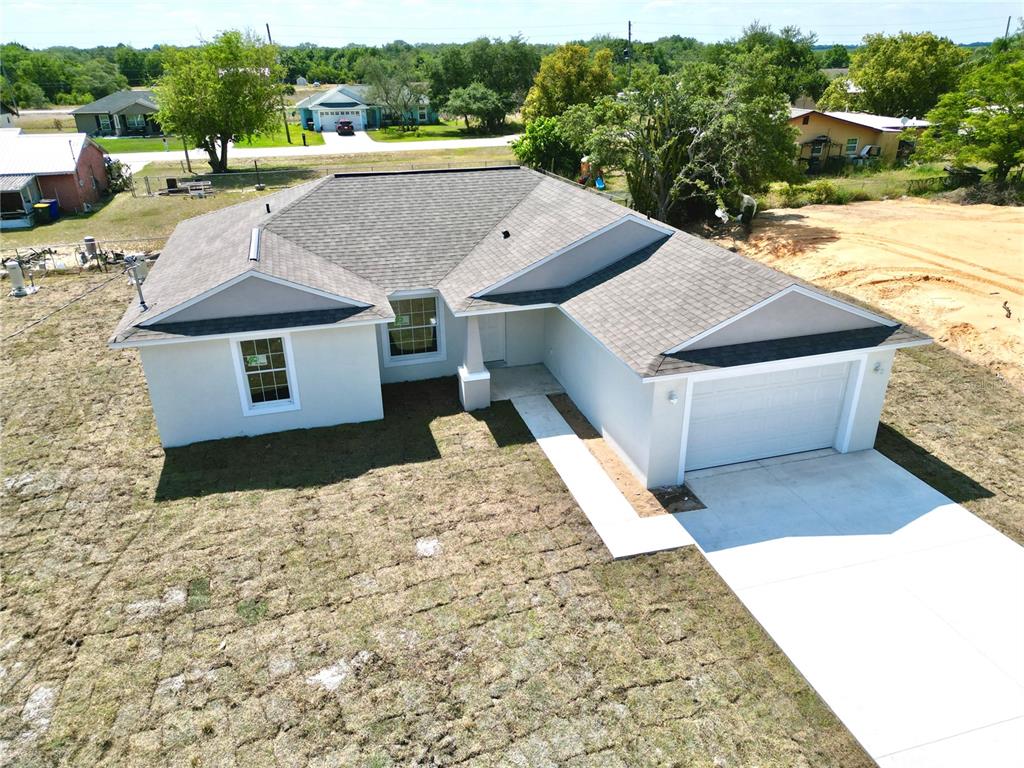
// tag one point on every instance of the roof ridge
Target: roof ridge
(498, 223)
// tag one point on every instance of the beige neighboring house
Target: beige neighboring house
(850, 137)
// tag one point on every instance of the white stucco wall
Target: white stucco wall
(585, 258)
(612, 397)
(870, 400)
(194, 388)
(785, 317)
(524, 337)
(255, 296)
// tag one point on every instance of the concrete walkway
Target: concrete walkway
(621, 529)
(903, 610)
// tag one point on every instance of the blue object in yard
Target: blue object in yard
(599, 182)
(54, 208)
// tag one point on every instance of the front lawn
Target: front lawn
(277, 138)
(446, 129)
(419, 590)
(140, 144)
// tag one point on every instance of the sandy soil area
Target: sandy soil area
(956, 272)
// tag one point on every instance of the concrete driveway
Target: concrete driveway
(901, 608)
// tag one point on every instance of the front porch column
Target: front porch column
(117, 124)
(474, 378)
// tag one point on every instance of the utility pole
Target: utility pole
(1007, 35)
(284, 114)
(629, 52)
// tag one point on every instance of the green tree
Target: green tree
(223, 91)
(570, 75)
(132, 64)
(479, 101)
(97, 77)
(395, 86)
(835, 57)
(544, 145)
(791, 52)
(700, 139)
(903, 75)
(983, 119)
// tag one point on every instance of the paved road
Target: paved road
(902, 609)
(333, 145)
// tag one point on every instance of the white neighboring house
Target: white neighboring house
(682, 354)
(352, 102)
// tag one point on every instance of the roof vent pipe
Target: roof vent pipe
(254, 244)
(505, 235)
(268, 207)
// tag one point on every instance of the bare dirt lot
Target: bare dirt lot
(946, 269)
(416, 591)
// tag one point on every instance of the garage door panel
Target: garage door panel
(753, 417)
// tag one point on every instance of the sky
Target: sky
(86, 23)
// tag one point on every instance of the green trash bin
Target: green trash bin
(42, 213)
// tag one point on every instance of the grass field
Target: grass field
(446, 129)
(126, 217)
(140, 144)
(261, 602)
(277, 138)
(45, 123)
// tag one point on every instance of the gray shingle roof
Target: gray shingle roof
(115, 102)
(363, 236)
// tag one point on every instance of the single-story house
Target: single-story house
(125, 113)
(850, 136)
(353, 102)
(291, 311)
(7, 114)
(67, 167)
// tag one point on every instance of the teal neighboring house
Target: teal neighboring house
(322, 111)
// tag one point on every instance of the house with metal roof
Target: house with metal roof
(293, 310)
(829, 140)
(353, 102)
(66, 168)
(124, 113)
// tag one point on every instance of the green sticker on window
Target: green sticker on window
(255, 360)
(402, 320)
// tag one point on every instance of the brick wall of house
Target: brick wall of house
(71, 192)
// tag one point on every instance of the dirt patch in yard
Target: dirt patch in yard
(956, 272)
(417, 591)
(647, 503)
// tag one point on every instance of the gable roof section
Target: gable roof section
(40, 154)
(588, 255)
(402, 230)
(360, 237)
(115, 102)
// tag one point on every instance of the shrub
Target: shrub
(793, 195)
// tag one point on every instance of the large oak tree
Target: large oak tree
(223, 91)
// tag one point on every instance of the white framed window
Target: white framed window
(851, 147)
(136, 121)
(265, 372)
(423, 115)
(416, 335)
(104, 122)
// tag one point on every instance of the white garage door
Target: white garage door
(329, 118)
(766, 414)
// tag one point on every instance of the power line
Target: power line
(60, 308)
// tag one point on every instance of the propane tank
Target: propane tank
(18, 288)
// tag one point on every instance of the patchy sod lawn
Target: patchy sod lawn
(420, 590)
(277, 138)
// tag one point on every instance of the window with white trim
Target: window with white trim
(104, 122)
(136, 121)
(851, 146)
(265, 372)
(414, 331)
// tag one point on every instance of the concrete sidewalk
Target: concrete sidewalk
(333, 145)
(621, 529)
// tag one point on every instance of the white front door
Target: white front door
(765, 414)
(492, 336)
